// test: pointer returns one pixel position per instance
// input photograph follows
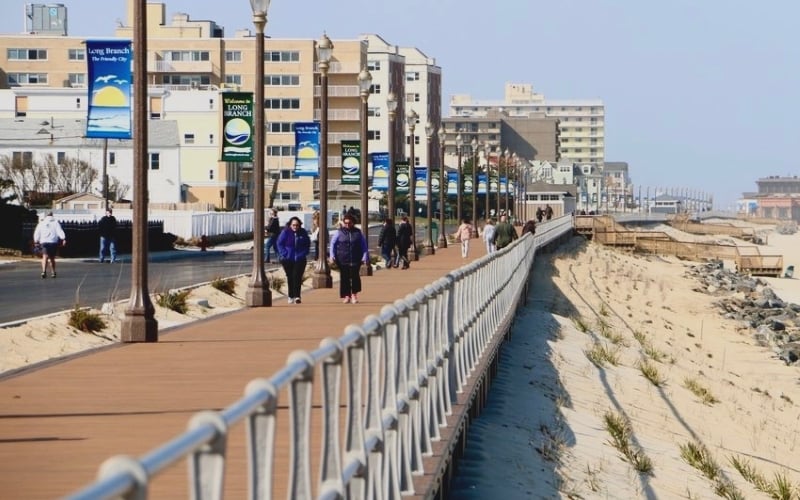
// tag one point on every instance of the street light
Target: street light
(499, 174)
(411, 119)
(258, 293)
(364, 84)
(391, 106)
(460, 186)
(139, 323)
(488, 150)
(321, 277)
(474, 145)
(442, 240)
(508, 178)
(427, 245)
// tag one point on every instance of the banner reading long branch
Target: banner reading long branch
(380, 171)
(109, 70)
(237, 126)
(306, 137)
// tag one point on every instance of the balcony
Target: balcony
(180, 67)
(335, 138)
(339, 114)
(338, 91)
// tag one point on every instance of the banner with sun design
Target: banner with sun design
(351, 162)
(306, 140)
(421, 183)
(109, 69)
(481, 183)
(402, 177)
(237, 126)
(452, 183)
(380, 171)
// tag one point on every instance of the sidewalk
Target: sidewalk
(61, 421)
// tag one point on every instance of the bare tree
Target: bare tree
(116, 189)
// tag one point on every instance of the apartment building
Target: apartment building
(190, 62)
(581, 123)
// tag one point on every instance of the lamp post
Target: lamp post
(139, 323)
(460, 185)
(508, 178)
(321, 277)
(474, 145)
(488, 151)
(364, 84)
(504, 159)
(427, 245)
(411, 118)
(258, 293)
(391, 106)
(442, 240)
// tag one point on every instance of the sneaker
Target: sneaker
(354, 299)
(44, 275)
(53, 275)
(290, 300)
(297, 300)
(346, 300)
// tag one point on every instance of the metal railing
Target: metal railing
(405, 368)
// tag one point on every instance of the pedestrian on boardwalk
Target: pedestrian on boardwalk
(49, 235)
(293, 246)
(387, 240)
(273, 229)
(107, 228)
(349, 250)
(529, 227)
(464, 234)
(548, 212)
(315, 233)
(504, 234)
(403, 242)
(539, 214)
(488, 236)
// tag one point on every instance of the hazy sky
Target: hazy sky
(699, 94)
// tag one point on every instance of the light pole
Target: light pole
(427, 245)
(488, 151)
(321, 277)
(364, 84)
(411, 118)
(460, 185)
(501, 161)
(258, 293)
(139, 323)
(442, 240)
(508, 179)
(474, 145)
(391, 106)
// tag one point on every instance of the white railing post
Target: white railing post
(261, 439)
(300, 411)
(330, 478)
(207, 463)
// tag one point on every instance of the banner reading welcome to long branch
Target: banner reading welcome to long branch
(109, 71)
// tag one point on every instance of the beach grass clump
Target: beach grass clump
(701, 392)
(600, 355)
(698, 456)
(580, 324)
(604, 309)
(615, 338)
(651, 373)
(277, 282)
(640, 337)
(654, 353)
(224, 285)
(174, 300)
(780, 488)
(621, 434)
(85, 320)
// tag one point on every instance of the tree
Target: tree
(5, 186)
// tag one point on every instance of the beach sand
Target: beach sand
(546, 430)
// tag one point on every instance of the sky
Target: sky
(698, 94)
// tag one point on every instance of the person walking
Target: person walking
(107, 227)
(504, 234)
(488, 236)
(529, 227)
(387, 240)
(464, 234)
(49, 235)
(273, 229)
(548, 212)
(349, 250)
(293, 246)
(403, 242)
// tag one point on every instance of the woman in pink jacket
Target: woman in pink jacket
(464, 234)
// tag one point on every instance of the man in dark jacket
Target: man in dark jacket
(349, 250)
(505, 233)
(107, 227)
(272, 230)
(387, 240)
(403, 242)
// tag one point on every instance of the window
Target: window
(282, 103)
(60, 157)
(287, 174)
(16, 79)
(155, 161)
(373, 111)
(373, 65)
(211, 138)
(280, 127)
(211, 175)
(23, 158)
(77, 79)
(186, 80)
(282, 56)
(233, 79)
(412, 97)
(188, 138)
(282, 80)
(77, 54)
(186, 55)
(375, 89)
(280, 150)
(373, 135)
(233, 56)
(112, 158)
(412, 76)
(26, 54)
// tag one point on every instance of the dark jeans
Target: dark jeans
(294, 276)
(349, 280)
(271, 243)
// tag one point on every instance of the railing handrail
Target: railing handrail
(408, 363)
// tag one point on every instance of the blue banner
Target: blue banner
(420, 182)
(109, 87)
(306, 140)
(380, 171)
(503, 182)
(481, 183)
(452, 183)
(402, 177)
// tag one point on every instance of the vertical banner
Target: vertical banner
(503, 182)
(351, 163)
(306, 142)
(435, 188)
(452, 183)
(493, 184)
(380, 171)
(237, 126)
(421, 183)
(467, 184)
(109, 87)
(481, 183)
(401, 172)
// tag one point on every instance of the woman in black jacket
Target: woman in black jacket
(387, 240)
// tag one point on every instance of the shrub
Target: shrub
(225, 285)
(85, 320)
(174, 300)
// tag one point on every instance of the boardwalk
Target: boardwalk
(58, 423)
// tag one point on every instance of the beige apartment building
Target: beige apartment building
(190, 62)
